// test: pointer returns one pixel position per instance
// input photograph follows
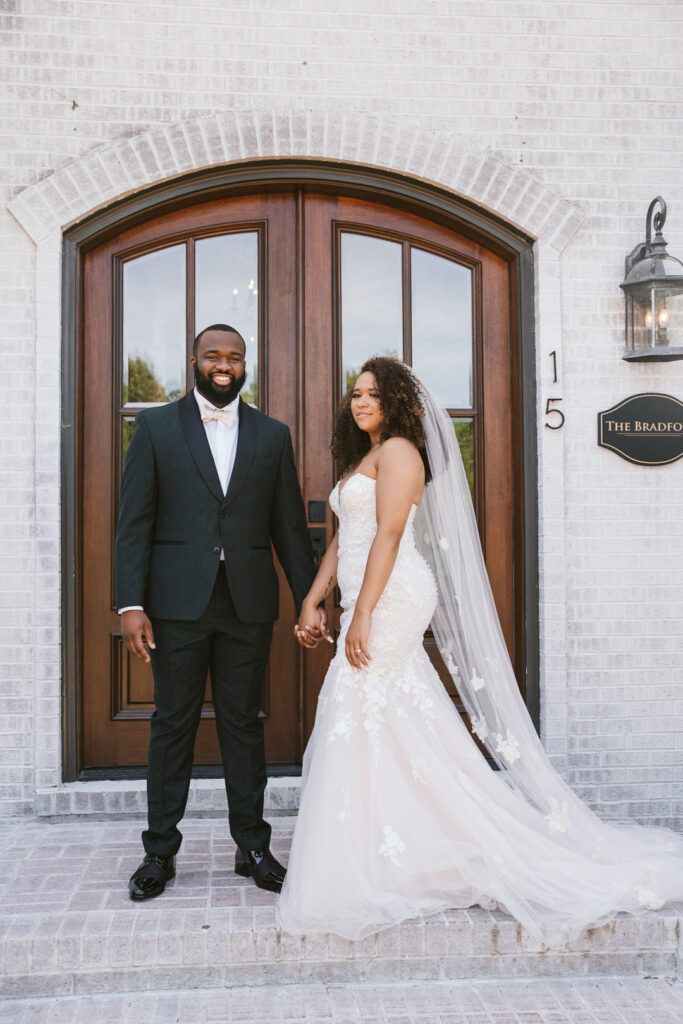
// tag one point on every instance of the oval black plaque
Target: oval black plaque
(644, 429)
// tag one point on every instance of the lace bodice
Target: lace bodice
(355, 506)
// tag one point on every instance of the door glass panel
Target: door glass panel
(154, 327)
(371, 301)
(464, 432)
(127, 427)
(442, 327)
(226, 292)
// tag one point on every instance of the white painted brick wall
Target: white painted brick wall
(585, 96)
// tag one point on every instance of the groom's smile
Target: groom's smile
(222, 379)
(219, 366)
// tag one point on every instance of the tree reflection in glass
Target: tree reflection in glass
(143, 387)
(127, 428)
(154, 327)
(464, 432)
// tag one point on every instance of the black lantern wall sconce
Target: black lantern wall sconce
(653, 288)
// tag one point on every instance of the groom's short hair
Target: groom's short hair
(226, 328)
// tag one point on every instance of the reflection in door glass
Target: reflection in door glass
(371, 301)
(127, 428)
(442, 327)
(464, 432)
(226, 292)
(154, 327)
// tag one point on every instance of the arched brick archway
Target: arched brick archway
(109, 173)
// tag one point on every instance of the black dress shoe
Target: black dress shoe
(262, 867)
(149, 880)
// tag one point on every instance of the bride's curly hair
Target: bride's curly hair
(401, 405)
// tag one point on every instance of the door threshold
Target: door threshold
(199, 771)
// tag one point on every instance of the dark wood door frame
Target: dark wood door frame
(271, 176)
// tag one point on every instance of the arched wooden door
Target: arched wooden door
(316, 283)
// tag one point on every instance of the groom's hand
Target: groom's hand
(312, 626)
(137, 632)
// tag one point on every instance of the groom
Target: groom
(209, 482)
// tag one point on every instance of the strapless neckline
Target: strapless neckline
(373, 479)
(341, 484)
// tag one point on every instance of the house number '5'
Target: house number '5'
(558, 412)
(549, 411)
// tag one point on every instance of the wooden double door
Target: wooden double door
(315, 283)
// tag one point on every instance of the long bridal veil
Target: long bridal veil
(471, 642)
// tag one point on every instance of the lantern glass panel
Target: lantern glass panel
(666, 317)
(638, 334)
(654, 318)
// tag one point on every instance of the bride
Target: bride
(400, 813)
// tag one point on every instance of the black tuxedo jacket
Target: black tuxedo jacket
(174, 518)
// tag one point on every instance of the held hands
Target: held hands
(137, 633)
(312, 626)
(357, 652)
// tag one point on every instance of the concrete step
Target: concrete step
(127, 798)
(67, 926)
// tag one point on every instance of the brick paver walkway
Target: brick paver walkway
(600, 1001)
(63, 893)
(85, 865)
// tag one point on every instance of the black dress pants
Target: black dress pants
(236, 654)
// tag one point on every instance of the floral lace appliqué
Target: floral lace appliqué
(420, 769)
(479, 727)
(344, 812)
(507, 747)
(344, 726)
(558, 819)
(393, 846)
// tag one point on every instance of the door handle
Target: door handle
(318, 535)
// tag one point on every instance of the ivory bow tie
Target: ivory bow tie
(227, 416)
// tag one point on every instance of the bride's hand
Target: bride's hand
(308, 629)
(357, 640)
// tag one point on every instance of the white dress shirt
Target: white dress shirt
(223, 444)
(222, 439)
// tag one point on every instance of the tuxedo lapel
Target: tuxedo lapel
(244, 456)
(195, 435)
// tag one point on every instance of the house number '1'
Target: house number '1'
(549, 410)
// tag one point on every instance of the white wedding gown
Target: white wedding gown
(401, 814)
